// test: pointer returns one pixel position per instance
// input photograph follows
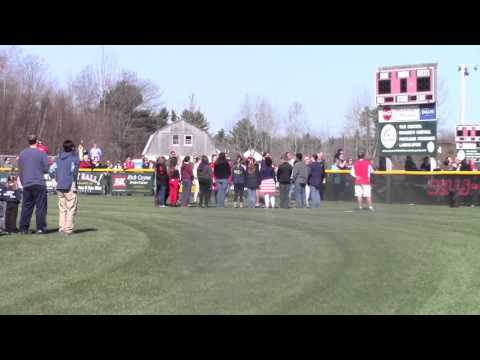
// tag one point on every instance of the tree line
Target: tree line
(119, 111)
(116, 109)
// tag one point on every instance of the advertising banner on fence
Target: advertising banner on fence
(133, 183)
(408, 137)
(91, 182)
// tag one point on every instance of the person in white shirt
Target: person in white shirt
(96, 153)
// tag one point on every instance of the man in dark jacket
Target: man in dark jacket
(284, 175)
(315, 179)
(33, 165)
(300, 175)
(65, 172)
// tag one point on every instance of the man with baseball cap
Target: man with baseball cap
(33, 165)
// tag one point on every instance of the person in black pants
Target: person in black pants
(33, 165)
(204, 174)
(284, 175)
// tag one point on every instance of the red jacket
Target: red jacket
(85, 165)
(42, 148)
(186, 172)
(128, 165)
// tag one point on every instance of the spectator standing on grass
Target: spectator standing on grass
(214, 181)
(284, 174)
(222, 172)
(33, 165)
(321, 159)
(239, 178)
(195, 179)
(173, 182)
(186, 172)
(300, 175)
(204, 173)
(268, 182)
(361, 171)
(95, 153)
(252, 183)
(162, 181)
(65, 172)
(308, 161)
(315, 179)
(12, 196)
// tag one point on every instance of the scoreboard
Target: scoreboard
(467, 142)
(406, 85)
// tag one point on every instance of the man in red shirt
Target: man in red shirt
(361, 171)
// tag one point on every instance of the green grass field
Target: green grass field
(131, 258)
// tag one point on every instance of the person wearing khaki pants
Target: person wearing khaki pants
(67, 206)
(65, 173)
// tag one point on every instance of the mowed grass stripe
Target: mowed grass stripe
(145, 260)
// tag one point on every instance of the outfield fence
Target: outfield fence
(396, 186)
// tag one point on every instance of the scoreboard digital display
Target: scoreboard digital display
(406, 85)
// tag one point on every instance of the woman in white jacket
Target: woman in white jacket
(195, 179)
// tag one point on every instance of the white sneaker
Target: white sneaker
(371, 208)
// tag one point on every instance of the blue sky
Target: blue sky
(325, 79)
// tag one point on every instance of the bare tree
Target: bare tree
(265, 124)
(296, 124)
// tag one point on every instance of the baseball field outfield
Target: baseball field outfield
(127, 257)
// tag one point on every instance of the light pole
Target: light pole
(463, 70)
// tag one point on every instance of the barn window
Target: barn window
(175, 140)
(188, 140)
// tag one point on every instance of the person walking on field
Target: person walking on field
(300, 175)
(222, 172)
(33, 165)
(204, 173)
(361, 171)
(284, 174)
(187, 178)
(65, 172)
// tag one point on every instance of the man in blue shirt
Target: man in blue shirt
(65, 172)
(33, 164)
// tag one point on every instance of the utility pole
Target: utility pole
(463, 74)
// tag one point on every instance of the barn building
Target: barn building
(181, 137)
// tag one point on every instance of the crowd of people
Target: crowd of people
(448, 164)
(301, 178)
(93, 159)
